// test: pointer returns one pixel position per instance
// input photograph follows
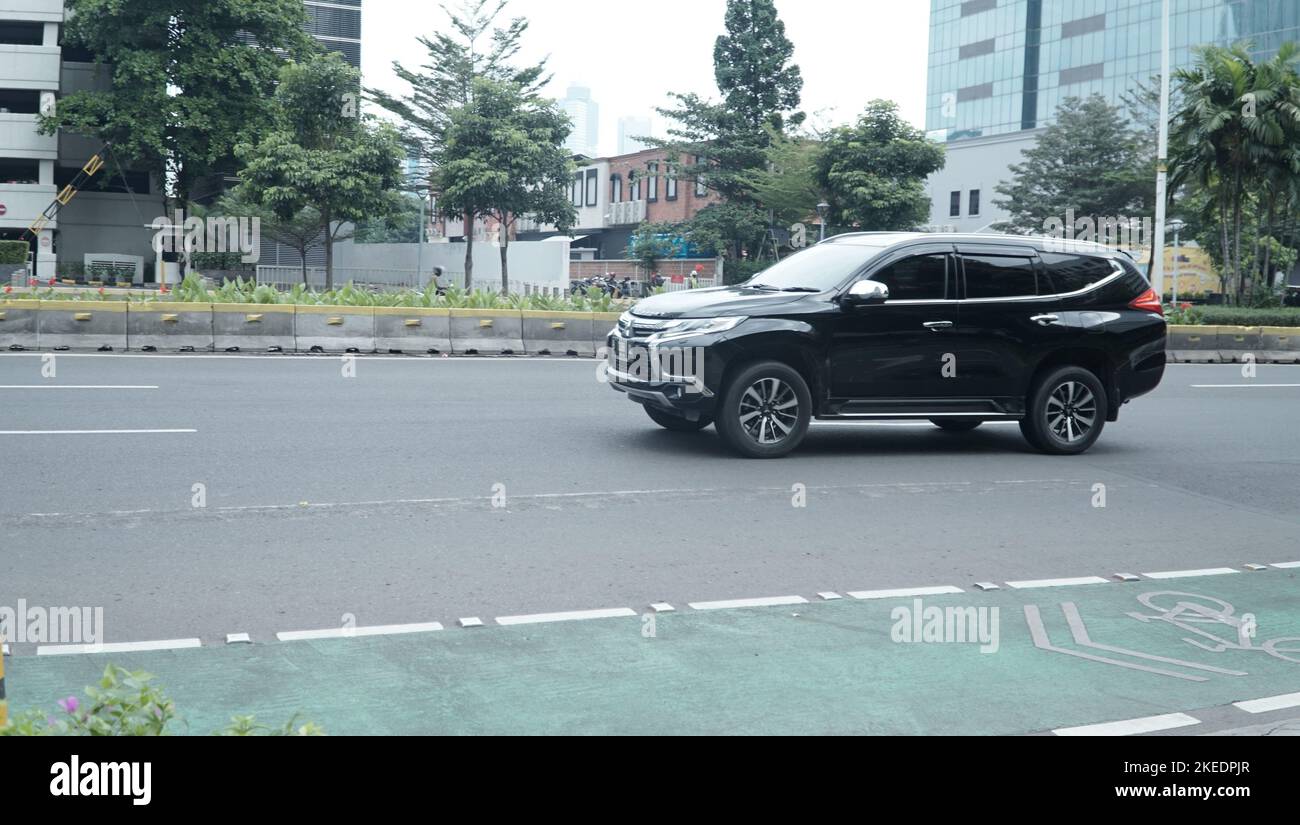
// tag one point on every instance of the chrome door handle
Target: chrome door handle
(1045, 320)
(939, 326)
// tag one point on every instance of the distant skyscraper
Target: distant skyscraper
(337, 25)
(630, 130)
(585, 114)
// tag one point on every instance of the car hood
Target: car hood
(713, 303)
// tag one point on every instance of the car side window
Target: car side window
(1000, 276)
(1075, 273)
(919, 278)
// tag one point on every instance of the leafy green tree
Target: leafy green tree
(874, 171)
(725, 143)
(788, 185)
(188, 79)
(472, 46)
(301, 231)
(504, 157)
(401, 227)
(322, 153)
(1090, 161)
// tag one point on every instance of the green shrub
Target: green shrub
(13, 252)
(129, 704)
(1243, 317)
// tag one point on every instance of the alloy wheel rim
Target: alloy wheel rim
(1071, 412)
(769, 411)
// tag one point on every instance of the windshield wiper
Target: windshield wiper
(764, 288)
(801, 289)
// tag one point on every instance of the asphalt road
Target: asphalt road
(372, 496)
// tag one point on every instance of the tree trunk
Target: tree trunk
(505, 263)
(469, 254)
(329, 251)
(1225, 276)
(1236, 237)
(305, 280)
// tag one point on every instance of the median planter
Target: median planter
(417, 331)
(558, 333)
(1235, 343)
(169, 327)
(252, 327)
(335, 329)
(487, 332)
(603, 323)
(1280, 345)
(18, 324)
(1194, 345)
(81, 325)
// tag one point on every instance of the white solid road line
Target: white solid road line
(1031, 585)
(1270, 704)
(1129, 727)
(96, 432)
(905, 593)
(122, 647)
(1192, 574)
(74, 387)
(772, 601)
(571, 616)
(357, 632)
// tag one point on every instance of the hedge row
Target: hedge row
(1237, 317)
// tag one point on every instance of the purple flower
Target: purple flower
(69, 705)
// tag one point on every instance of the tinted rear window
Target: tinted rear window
(1000, 276)
(1075, 273)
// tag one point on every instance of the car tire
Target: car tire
(677, 423)
(765, 411)
(1066, 412)
(956, 425)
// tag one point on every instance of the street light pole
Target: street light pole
(1162, 168)
(823, 209)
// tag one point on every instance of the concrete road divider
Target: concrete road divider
(1235, 343)
(18, 324)
(413, 331)
(335, 329)
(81, 325)
(1194, 345)
(169, 327)
(1280, 345)
(487, 332)
(558, 333)
(252, 327)
(602, 324)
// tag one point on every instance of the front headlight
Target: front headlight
(692, 327)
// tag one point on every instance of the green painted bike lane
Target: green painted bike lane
(823, 668)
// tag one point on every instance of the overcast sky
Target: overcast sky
(631, 54)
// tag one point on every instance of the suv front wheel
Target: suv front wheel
(1066, 412)
(765, 411)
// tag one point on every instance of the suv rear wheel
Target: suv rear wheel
(765, 411)
(677, 423)
(1066, 412)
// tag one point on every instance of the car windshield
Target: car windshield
(817, 269)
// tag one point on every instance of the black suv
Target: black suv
(954, 329)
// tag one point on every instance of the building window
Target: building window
(593, 187)
(634, 180)
(615, 188)
(670, 184)
(575, 190)
(974, 203)
(976, 6)
(1087, 25)
(1083, 74)
(652, 184)
(701, 186)
(980, 92)
(979, 49)
(954, 205)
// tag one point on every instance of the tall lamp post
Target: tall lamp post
(1162, 167)
(823, 209)
(1176, 226)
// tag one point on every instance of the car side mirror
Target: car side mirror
(866, 293)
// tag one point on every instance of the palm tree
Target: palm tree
(1236, 134)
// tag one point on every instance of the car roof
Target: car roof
(885, 240)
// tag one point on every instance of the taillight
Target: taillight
(1148, 301)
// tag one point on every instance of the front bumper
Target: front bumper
(675, 379)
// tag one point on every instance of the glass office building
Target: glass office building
(999, 69)
(336, 24)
